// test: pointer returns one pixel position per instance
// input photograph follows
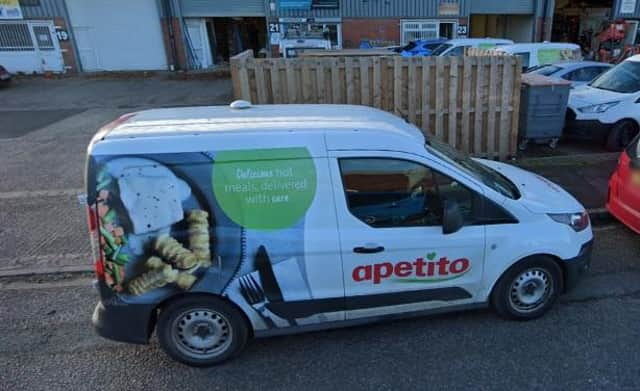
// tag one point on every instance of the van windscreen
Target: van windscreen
(481, 172)
(441, 49)
(623, 78)
(544, 70)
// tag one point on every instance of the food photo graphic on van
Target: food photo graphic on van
(229, 222)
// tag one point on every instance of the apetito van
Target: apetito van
(211, 225)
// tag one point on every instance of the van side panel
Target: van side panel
(256, 226)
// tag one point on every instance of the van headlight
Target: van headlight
(599, 108)
(577, 221)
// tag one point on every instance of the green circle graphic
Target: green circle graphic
(264, 188)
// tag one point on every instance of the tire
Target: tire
(621, 135)
(523, 144)
(528, 289)
(201, 331)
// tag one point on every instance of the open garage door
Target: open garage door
(118, 35)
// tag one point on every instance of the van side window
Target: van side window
(457, 51)
(450, 190)
(583, 74)
(399, 193)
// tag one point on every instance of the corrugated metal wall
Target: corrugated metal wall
(45, 9)
(314, 12)
(502, 7)
(376, 9)
(398, 8)
(224, 8)
(635, 14)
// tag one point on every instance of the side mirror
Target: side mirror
(452, 219)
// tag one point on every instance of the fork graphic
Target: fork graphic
(254, 295)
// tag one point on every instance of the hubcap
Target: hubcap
(202, 333)
(530, 290)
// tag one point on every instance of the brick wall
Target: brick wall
(380, 32)
(68, 54)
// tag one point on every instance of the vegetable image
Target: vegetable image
(199, 236)
(159, 275)
(112, 236)
(153, 279)
(138, 204)
(171, 250)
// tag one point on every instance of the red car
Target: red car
(623, 200)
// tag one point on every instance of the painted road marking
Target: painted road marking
(40, 193)
(607, 227)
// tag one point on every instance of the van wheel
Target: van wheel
(621, 135)
(201, 330)
(528, 289)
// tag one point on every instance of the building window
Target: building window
(412, 30)
(324, 4)
(30, 3)
(317, 30)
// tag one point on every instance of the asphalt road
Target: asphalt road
(589, 341)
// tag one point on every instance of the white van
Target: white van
(214, 224)
(608, 108)
(542, 53)
(293, 45)
(456, 47)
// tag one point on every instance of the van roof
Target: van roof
(467, 41)
(263, 118)
(549, 45)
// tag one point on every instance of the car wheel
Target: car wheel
(528, 289)
(201, 330)
(621, 135)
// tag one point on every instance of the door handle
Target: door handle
(368, 250)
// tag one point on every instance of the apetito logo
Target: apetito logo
(416, 271)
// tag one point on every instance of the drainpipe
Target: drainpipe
(545, 26)
(169, 16)
(74, 43)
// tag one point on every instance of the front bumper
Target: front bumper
(591, 129)
(577, 266)
(119, 321)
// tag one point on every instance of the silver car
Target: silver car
(577, 72)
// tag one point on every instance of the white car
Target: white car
(578, 73)
(608, 108)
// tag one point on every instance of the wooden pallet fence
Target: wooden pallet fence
(471, 102)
